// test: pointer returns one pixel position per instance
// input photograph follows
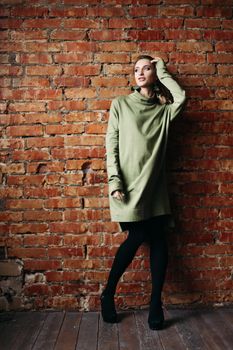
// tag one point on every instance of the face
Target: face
(144, 73)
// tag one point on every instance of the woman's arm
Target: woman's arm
(177, 92)
(112, 148)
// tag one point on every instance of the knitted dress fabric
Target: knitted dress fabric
(136, 143)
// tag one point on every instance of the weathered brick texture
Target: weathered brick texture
(61, 64)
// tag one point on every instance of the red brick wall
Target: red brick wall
(62, 62)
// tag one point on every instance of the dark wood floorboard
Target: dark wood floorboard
(49, 332)
(68, 335)
(148, 338)
(188, 330)
(185, 329)
(170, 338)
(128, 336)
(88, 332)
(108, 336)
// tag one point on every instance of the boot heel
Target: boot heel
(108, 310)
(156, 318)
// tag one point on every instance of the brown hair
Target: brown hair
(160, 89)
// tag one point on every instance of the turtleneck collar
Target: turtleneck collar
(136, 96)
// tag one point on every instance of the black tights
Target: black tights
(152, 232)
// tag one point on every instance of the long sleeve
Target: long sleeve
(177, 92)
(112, 148)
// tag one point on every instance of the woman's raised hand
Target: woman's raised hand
(156, 59)
(119, 195)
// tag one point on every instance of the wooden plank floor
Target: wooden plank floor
(191, 329)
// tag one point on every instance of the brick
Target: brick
(200, 23)
(43, 70)
(227, 24)
(220, 58)
(13, 168)
(119, 45)
(41, 142)
(157, 46)
(11, 192)
(24, 131)
(207, 11)
(41, 58)
(28, 12)
(96, 129)
(65, 252)
(27, 107)
(10, 23)
(28, 34)
(42, 192)
(79, 47)
(42, 47)
(219, 81)
(42, 23)
(65, 105)
(80, 93)
(145, 35)
(107, 93)
(112, 58)
(83, 214)
(76, 228)
(71, 57)
(27, 252)
(31, 82)
(7, 46)
(116, 69)
(179, 34)
(68, 12)
(187, 57)
(126, 23)
(81, 23)
(68, 35)
(217, 104)
(30, 155)
(224, 46)
(24, 204)
(39, 265)
(222, 93)
(9, 70)
(84, 141)
(41, 215)
(107, 35)
(64, 129)
(11, 217)
(28, 228)
(109, 81)
(82, 191)
(56, 203)
(174, 11)
(45, 167)
(197, 69)
(77, 164)
(10, 268)
(82, 70)
(96, 202)
(194, 46)
(218, 35)
(105, 11)
(71, 81)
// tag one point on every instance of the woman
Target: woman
(136, 144)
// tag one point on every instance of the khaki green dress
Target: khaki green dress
(136, 144)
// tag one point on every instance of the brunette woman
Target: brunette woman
(136, 144)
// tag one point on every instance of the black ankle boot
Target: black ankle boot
(156, 316)
(108, 310)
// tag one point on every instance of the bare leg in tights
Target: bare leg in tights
(139, 232)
